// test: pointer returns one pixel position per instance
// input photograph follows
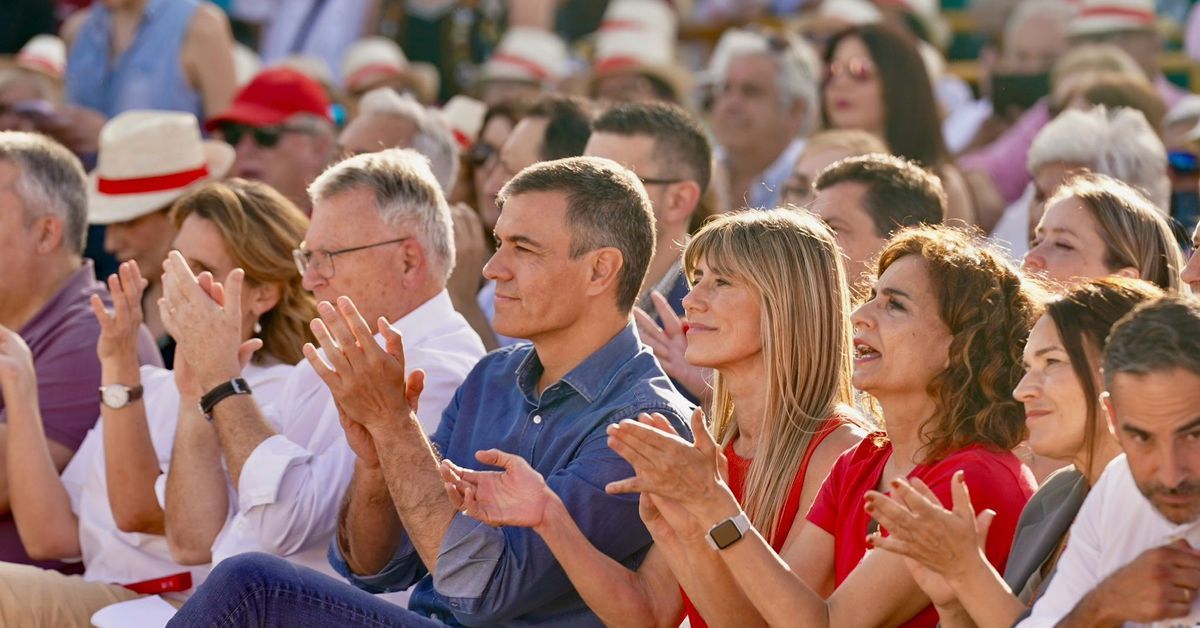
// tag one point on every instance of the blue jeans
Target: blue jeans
(264, 590)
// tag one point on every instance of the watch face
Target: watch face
(725, 534)
(114, 396)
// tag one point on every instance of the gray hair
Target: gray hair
(51, 181)
(797, 75)
(406, 194)
(433, 138)
(1117, 142)
(1159, 335)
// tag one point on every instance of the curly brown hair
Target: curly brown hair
(989, 308)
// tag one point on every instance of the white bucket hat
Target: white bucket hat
(464, 115)
(527, 54)
(46, 54)
(148, 159)
(1098, 17)
(373, 59)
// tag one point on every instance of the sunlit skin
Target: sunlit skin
(798, 189)
(373, 133)
(521, 150)
(851, 103)
(900, 341)
(145, 240)
(1055, 405)
(1068, 246)
(1045, 182)
(1156, 418)
(748, 111)
(724, 322)
(841, 207)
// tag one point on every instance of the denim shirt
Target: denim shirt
(508, 576)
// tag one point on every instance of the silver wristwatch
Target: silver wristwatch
(729, 531)
(117, 396)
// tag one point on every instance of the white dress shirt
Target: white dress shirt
(117, 557)
(292, 484)
(1114, 526)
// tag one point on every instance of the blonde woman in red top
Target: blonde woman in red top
(769, 312)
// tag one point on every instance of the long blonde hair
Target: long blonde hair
(260, 228)
(790, 258)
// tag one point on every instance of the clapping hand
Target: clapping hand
(515, 496)
(17, 374)
(119, 329)
(367, 381)
(206, 321)
(669, 342)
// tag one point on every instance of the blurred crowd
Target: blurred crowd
(599, 312)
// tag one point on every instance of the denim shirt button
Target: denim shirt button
(537, 419)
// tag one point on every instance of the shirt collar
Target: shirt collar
(426, 319)
(592, 376)
(79, 283)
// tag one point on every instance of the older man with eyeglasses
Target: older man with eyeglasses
(280, 126)
(381, 236)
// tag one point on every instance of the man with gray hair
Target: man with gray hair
(380, 235)
(1132, 555)
(388, 120)
(45, 296)
(575, 238)
(766, 104)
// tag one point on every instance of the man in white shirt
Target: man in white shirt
(1130, 556)
(381, 235)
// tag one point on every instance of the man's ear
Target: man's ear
(682, 200)
(48, 231)
(605, 274)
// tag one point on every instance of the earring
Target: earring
(257, 328)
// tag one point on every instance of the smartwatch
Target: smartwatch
(237, 386)
(117, 396)
(729, 531)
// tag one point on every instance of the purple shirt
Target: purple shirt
(62, 337)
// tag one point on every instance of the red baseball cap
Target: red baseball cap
(274, 95)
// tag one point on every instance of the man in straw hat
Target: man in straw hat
(279, 125)
(44, 297)
(376, 62)
(147, 160)
(527, 62)
(635, 54)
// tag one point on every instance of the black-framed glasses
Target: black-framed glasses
(321, 261)
(480, 153)
(653, 181)
(264, 136)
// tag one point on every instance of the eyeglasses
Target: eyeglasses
(858, 69)
(480, 153)
(651, 181)
(321, 261)
(264, 136)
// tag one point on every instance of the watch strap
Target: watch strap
(209, 401)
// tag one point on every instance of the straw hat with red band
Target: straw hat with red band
(527, 54)
(630, 52)
(375, 60)
(647, 17)
(147, 160)
(1099, 17)
(45, 54)
(464, 115)
(275, 95)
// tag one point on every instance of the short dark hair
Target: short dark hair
(678, 137)
(606, 207)
(1160, 335)
(899, 192)
(569, 125)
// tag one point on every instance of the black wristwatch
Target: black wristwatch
(237, 386)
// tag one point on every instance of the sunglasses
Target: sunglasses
(860, 70)
(480, 153)
(1183, 162)
(264, 136)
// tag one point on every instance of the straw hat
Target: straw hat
(527, 54)
(372, 60)
(638, 37)
(45, 54)
(648, 17)
(1099, 17)
(148, 159)
(464, 116)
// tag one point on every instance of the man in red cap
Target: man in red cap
(279, 124)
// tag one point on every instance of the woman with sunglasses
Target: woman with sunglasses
(938, 348)
(876, 81)
(769, 311)
(105, 507)
(1060, 391)
(477, 163)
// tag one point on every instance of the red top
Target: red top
(739, 468)
(997, 479)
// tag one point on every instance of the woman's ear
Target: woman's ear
(264, 297)
(1129, 272)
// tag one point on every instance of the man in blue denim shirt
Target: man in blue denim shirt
(575, 239)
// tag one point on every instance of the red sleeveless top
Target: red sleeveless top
(739, 469)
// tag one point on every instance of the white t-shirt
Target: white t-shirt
(1115, 525)
(117, 557)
